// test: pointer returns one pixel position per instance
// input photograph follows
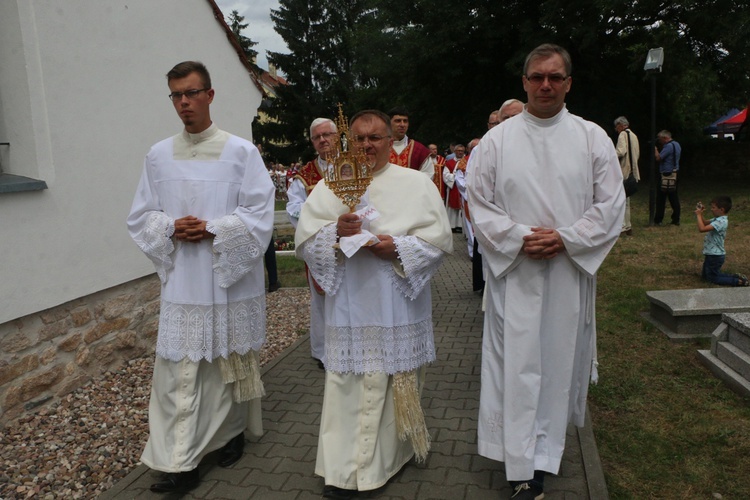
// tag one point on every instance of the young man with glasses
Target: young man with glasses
(378, 315)
(322, 134)
(203, 214)
(546, 199)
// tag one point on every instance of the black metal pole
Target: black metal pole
(652, 145)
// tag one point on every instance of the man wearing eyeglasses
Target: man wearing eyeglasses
(547, 203)
(322, 134)
(203, 214)
(378, 315)
(405, 151)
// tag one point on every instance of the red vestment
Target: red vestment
(454, 197)
(309, 175)
(413, 155)
(438, 177)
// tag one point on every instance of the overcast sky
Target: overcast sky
(259, 25)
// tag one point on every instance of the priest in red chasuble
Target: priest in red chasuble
(453, 196)
(438, 162)
(407, 152)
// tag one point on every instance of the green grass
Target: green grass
(665, 426)
(279, 205)
(291, 271)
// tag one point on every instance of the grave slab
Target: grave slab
(694, 313)
(729, 357)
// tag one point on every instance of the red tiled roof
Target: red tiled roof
(272, 81)
(235, 44)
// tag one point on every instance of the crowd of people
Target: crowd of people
(540, 201)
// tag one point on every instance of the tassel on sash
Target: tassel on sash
(244, 371)
(410, 421)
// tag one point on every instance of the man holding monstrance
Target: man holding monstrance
(373, 242)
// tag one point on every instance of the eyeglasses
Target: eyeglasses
(190, 94)
(372, 139)
(554, 79)
(326, 136)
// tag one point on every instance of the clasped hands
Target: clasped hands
(542, 243)
(190, 228)
(351, 224)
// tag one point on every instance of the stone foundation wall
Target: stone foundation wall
(46, 355)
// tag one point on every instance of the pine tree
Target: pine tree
(236, 25)
(321, 70)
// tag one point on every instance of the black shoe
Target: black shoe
(338, 493)
(320, 364)
(677, 223)
(527, 491)
(177, 482)
(232, 451)
(274, 286)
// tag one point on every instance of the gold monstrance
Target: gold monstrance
(349, 173)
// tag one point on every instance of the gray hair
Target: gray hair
(666, 134)
(621, 120)
(508, 103)
(547, 50)
(320, 121)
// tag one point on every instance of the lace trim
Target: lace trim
(385, 349)
(156, 242)
(322, 259)
(236, 250)
(420, 261)
(207, 332)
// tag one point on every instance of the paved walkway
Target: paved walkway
(280, 465)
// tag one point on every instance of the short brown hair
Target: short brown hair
(723, 202)
(184, 68)
(545, 51)
(374, 113)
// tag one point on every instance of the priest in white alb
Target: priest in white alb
(546, 199)
(378, 314)
(322, 132)
(203, 214)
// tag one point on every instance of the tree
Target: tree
(236, 25)
(451, 63)
(320, 69)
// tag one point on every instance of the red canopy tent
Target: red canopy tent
(732, 125)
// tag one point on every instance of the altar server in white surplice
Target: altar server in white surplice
(203, 213)
(547, 202)
(378, 315)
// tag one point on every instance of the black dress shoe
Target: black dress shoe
(177, 482)
(232, 451)
(274, 286)
(338, 493)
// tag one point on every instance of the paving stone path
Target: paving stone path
(280, 465)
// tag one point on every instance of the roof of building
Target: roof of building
(219, 16)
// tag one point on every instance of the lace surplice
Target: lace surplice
(395, 333)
